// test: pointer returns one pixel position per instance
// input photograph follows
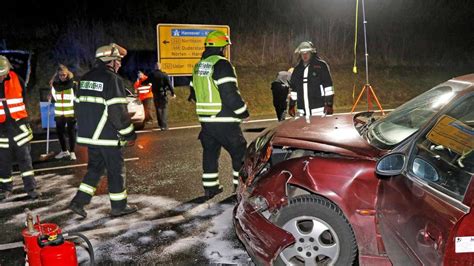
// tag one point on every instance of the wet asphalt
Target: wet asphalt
(163, 177)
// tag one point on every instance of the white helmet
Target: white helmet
(306, 46)
(5, 65)
(110, 52)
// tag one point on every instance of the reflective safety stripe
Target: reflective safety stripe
(64, 104)
(143, 91)
(126, 130)
(214, 111)
(116, 100)
(28, 173)
(2, 112)
(209, 104)
(241, 110)
(219, 119)
(6, 146)
(101, 124)
(98, 142)
(14, 101)
(118, 196)
(6, 180)
(328, 91)
(235, 173)
(91, 99)
(210, 183)
(25, 140)
(68, 112)
(235, 181)
(87, 189)
(4, 140)
(225, 80)
(22, 135)
(64, 96)
(17, 109)
(191, 83)
(210, 175)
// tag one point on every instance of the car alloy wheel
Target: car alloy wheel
(323, 235)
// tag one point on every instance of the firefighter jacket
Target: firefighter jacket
(143, 89)
(64, 94)
(101, 109)
(215, 88)
(13, 115)
(312, 86)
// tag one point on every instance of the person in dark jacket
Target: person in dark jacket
(280, 89)
(220, 109)
(104, 126)
(160, 85)
(15, 133)
(311, 83)
(63, 90)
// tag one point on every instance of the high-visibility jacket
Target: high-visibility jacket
(14, 99)
(101, 109)
(209, 105)
(144, 90)
(64, 102)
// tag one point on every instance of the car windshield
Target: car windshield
(387, 132)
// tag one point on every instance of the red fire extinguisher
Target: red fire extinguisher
(45, 245)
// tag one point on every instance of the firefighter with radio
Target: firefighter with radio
(15, 133)
(104, 126)
(220, 109)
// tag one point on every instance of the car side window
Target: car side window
(443, 156)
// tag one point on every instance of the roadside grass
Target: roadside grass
(392, 85)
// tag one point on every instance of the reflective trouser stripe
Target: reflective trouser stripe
(235, 180)
(220, 119)
(25, 140)
(126, 130)
(6, 180)
(4, 145)
(98, 142)
(28, 173)
(210, 179)
(118, 196)
(87, 189)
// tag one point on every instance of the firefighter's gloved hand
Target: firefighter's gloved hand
(328, 109)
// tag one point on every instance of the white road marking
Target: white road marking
(71, 166)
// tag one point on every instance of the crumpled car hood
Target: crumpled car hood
(335, 134)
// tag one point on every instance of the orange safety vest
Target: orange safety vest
(144, 91)
(14, 99)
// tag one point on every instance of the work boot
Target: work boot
(32, 195)
(211, 192)
(127, 210)
(5, 194)
(62, 154)
(78, 209)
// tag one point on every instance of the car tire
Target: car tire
(322, 233)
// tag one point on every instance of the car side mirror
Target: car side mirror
(391, 164)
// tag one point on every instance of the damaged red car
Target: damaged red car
(309, 193)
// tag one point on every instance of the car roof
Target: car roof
(469, 78)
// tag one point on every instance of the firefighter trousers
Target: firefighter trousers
(213, 137)
(100, 159)
(22, 155)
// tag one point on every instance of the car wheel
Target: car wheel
(322, 233)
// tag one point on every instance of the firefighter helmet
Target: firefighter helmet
(305, 46)
(217, 39)
(110, 52)
(5, 65)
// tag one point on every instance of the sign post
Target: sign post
(180, 46)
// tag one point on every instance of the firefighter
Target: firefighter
(15, 133)
(63, 91)
(104, 126)
(220, 109)
(311, 83)
(145, 95)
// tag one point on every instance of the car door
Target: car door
(418, 209)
